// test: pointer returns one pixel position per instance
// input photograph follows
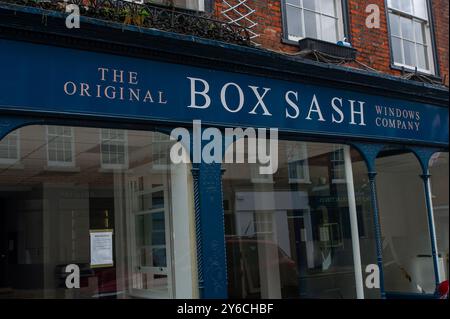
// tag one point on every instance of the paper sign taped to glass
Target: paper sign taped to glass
(101, 248)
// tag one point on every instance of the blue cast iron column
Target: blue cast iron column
(424, 156)
(370, 153)
(376, 222)
(429, 204)
(210, 231)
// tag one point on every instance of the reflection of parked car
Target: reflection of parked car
(104, 278)
(244, 268)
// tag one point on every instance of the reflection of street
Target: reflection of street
(393, 267)
(245, 263)
(245, 279)
(289, 247)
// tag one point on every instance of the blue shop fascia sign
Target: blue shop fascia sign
(41, 78)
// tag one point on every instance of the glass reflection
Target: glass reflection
(288, 235)
(118, 181)
(407, 260)
(439, 190)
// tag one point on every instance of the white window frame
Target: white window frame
(9, 160)
(123, 165)
(61, 163)
(160, 147)
(341, 162)
(200, 4)
(303, 153)
(339, 16)
(427, 41)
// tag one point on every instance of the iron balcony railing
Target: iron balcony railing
(147, 15)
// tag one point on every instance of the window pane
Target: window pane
(420, 9)
(408, 266)
(60, 145)
(317, 22)
(328, 7)
(292, 239)
(67, 156)
(440, 193)
(397, 49)
(422, 59)
(186, 4)
(410, 53)
(293, 2)
(406, 6)
(311, 26)
(113, 145)
(407, 28)
(294, 22)
(395, 3)
(311, 4)
(60, 156)
(329, 29)
(9, 151)
(419, 30)
(51, 155)
(394, 24)
(49, 221)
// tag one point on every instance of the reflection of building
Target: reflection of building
(70, 181)
(307, 220)
(85, 149)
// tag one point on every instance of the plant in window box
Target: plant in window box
(44, 4)
(135, 15)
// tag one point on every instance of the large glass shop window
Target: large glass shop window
(439, 192)
(105, 200)
(407, 259)
(288, 235)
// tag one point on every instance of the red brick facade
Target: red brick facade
(440, 12)
(372, 44)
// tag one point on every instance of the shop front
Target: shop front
(86, 177)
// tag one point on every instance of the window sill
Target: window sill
(261, 181)
(112, 169)
(299, 181)
(289, 42)
(328, 48)
(349, 52)
(405, 69)
(62, 169)
(15, 165)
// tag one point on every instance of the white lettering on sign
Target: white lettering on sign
(233, 97)
(397, 118)
(116, 85)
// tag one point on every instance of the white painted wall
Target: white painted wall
(404, 224)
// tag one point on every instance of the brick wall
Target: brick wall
(440, 12)
(372, 44)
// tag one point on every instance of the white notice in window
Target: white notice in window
(101, 248)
